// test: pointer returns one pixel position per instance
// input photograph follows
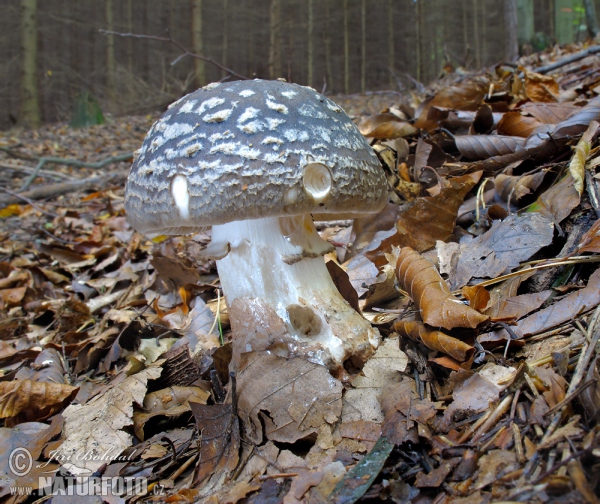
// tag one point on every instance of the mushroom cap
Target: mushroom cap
(250, 149)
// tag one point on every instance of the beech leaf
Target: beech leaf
(431, 295)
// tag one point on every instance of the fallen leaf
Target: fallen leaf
(386, 127)
(291, 398)
(26, 400)
(428, 220)
(431, 295)
(436, 340)
(502, 247)
(219, 430)
(97, 426)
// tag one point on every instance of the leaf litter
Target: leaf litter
(481, 274)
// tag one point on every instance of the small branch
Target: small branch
(28, 169)
(72, 162)
(51, 190)
(186, 52)
(570, 59)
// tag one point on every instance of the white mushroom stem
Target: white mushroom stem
(278, 261)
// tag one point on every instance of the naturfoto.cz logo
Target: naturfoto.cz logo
(20, 464)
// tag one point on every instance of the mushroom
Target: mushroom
(254, 159)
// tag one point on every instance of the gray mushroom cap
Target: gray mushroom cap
(247, 150)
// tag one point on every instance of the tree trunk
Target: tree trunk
(197, 43)
(327, 43)
(275, 39)
(225, 39)
(363, 49)
(129, 10)
(476, 39)
(310, 52)
(511, 49)
(391, 42)
(418, 40)
(346, 50)
(110, 54)
(590, 18)
(30, 107)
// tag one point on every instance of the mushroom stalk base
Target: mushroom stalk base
(290, 309)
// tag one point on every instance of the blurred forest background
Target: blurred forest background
(54, 53)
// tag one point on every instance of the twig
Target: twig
(20, 197)
(570, 59)
(186, 52)
(587, 352)
(28, 169)
(73, 162)
(51, 190)
(569, 398)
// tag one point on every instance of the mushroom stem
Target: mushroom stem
(281, 297)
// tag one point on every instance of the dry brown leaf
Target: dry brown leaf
(436, 340)
(27, 400)
(517, 124)
(436, 477)
(97, 426)
(342, 282)
(517, 307)
(386, 127)
(561, 311)
(590, 397)
(550, 113)
(431, 295)
(292, 398)
(590, 241)
(428, 220)
(502, 247)
(512, 188)
(474, 395)
(33, 437)
(477, 296)
(467, 95)
(169, 402)
(541, 88)
(477, 147)
(493, 465)
(218, 425)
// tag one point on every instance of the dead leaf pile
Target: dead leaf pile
(481, 275)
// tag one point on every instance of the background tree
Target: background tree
(350, 44)
(510, 29)
(197, 42)
(30, 109)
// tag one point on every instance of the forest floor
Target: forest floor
(481, 275)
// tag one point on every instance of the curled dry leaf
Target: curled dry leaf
(429, 291)
(582, 150)
(386, 126)
(512, 188)
(436, 340)
(541, 88)
(477, 147)
(27, 400)
(477, 296)
(590, 241)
